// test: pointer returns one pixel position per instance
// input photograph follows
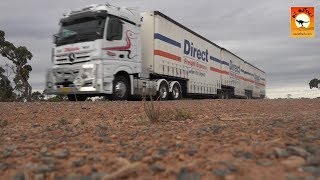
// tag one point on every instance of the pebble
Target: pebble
(39, 177)
(281, 152)
(44, 150)
(222, 172)
(4, 166)
(79, 162)
(313, 160)
(157, 168)
(312, 169)
(264, 162)
(298, 151)
(62, 154)
(19, 176)
(40, 168)
(293, 162)
(185, 174)
(192, 150)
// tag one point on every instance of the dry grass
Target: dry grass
(63, 122)
(182, 115)
(152, 110)
(3, 123)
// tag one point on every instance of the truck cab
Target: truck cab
(97, 52)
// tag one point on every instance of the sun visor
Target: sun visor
(79, 15)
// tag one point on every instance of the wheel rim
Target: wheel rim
(163, 92)
(176, 92)
(120, 89)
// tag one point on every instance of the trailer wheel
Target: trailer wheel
(163, 92)
(120, 88)
(176, 92)
(77, 97)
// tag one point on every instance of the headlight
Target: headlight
(86, 73)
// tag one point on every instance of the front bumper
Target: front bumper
(82, 79)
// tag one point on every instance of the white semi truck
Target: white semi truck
(102, 50)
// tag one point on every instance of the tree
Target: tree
(6, 90)
(314, 83)
(19, 57)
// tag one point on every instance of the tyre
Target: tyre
(73, 97)
(121, 88)
(163, 92)
(176, 93)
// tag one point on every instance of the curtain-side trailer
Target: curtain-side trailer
(115, 52)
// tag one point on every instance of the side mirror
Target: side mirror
(55, 38)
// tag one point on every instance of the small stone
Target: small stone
(113, 136)
(44, 150)
(97, 176)
(222, 172)
(281, 152)
(48, 160)
(4, 166)
(39, 177)
(185, 174)
(192, 150)
(313, 161)
(62, 154)
(298, 151)
(163, 151)
(312, 169)
(137, 156)
(11, 148)
(230, 177)
(157, 168)
(40, 168)
(238, 154)
(293, 162)
(79, 162)
(36, 125)
(19, 176)
(264, 162)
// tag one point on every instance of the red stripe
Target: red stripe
(219, 71)
(167, 55)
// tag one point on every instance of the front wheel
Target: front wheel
(120, 88)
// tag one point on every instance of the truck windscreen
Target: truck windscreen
(80, 30)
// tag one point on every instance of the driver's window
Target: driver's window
(115, 28)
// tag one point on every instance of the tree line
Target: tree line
(15, 72)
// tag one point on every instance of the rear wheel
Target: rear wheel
(120, 88)
(176, 92)
(163, 92)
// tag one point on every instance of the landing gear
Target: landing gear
(224, 94)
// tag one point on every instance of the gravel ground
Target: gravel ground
(196, 139)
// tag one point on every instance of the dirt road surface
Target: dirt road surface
(196, 139)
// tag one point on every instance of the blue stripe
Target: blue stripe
(218, 61)
(215, 59)
(225, 63)
(167, 40)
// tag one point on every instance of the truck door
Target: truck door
(122, 41)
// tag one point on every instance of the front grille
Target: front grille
(79, 57)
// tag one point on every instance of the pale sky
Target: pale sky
(257, 31)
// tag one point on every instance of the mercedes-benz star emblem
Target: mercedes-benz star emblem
(72, 57)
